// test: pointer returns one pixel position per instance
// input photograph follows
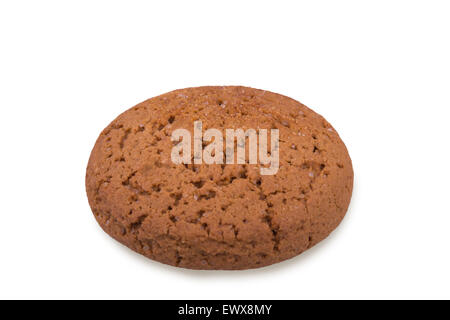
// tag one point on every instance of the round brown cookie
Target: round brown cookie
(218, 216)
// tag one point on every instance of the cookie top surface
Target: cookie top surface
(218, 216)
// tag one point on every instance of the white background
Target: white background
(379, 71)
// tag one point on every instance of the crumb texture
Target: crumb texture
(213, 216)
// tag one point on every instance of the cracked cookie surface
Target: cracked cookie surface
(218, 216)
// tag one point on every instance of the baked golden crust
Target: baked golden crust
(212, 216)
